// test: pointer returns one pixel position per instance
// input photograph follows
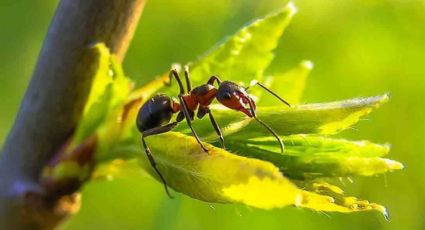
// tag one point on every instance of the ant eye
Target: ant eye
(227, 96)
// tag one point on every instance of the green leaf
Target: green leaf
(321, 196)
(220, 176)
(289, 85)
(217, 176)
(321, 118)
(97, 103)
(101, 79)
(246, 54)
(309, 156)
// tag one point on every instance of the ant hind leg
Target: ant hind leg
(155, 131)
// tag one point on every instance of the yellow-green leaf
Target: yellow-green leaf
(102, 77)
(109, 91)
(321, 196)
(217, 176)
(309, 156)
(246, 54)
(321, 118)
(220, 176)
(289, 85)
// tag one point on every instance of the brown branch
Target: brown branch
(53, 103)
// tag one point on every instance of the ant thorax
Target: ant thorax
(204, 94)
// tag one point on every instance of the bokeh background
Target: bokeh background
(359, 48)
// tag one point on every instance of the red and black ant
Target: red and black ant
(155, 115)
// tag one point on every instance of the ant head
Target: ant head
(235, 97)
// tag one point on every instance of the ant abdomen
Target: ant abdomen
(155, 112)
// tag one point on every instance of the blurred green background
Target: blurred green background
(359, 48)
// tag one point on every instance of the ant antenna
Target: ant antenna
(282, 146)
(255, 82)
(251, 107)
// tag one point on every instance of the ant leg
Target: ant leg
(154, 131)
(202, 111)
(212, 79)
(153, 164)
(187, 76)
(189, 123)
(175, 74)
(217, 128)
(255, 82)
(170, 77)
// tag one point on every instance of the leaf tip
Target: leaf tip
(291, 8)
(387, 96)
(307, 64)
(377, 101)
(386, 214)
(96, 45)
(383, 210)
(99, 47)
(394, 165)
(387, 146)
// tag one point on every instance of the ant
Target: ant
(155, 115)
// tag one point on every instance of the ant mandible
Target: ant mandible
(154, 116)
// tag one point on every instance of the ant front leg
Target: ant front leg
(189, 123)
(155, 131)
(201, 113)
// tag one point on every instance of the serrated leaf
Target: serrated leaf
(321, 118)
(217, 176)
(220, 176)
(322, 196)
(308, 157)
(340, 203)
(289, 85)
(246, 54)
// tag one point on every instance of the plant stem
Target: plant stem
(55, 98)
